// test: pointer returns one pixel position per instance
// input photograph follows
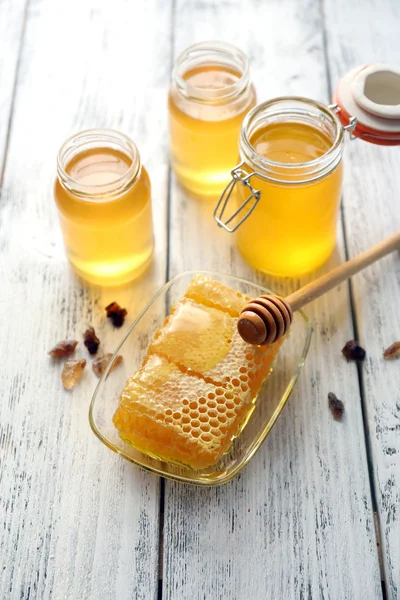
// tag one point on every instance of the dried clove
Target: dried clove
(392, 352)
(72, 372)
(353, 351)
(99, 364)
(336, 406)
(91, 340)
(116, 314)
(63, 348)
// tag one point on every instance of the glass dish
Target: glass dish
(271, 400)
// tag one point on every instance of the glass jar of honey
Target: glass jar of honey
(209, 96)
(102, 192)
(289, 186)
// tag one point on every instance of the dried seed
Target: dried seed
(116, 314)
(63, 348)
(99, 364)
(336, 406)
(91, 340)
(353, 351)
(392, 352)
(72, 372)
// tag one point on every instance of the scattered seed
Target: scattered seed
(392, 352)
(336, 406)
(91, 340)
(99, 364)
(72, 372)
(353, 351)
(116, 314)
(63, 348)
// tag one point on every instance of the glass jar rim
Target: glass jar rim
(88, 139)
(288, 108)
(228, 55)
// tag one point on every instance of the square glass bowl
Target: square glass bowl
(270, 401)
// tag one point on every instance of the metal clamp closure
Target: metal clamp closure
(352, 121)
(238, 174)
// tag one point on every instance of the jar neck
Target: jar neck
(91, 140)
(212, 54)
(292, 110)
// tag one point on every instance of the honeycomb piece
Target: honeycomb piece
(177, 417)
(215, 294)
(198, 384)
(205, 341)
(194, 336)
(245, 366)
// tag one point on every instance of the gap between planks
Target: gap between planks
(167, 276)
(354, 323)
(13, 94)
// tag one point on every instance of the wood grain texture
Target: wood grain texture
(372, 211)
(298, 522)
(12, 21)
(76, 520)
(79, 522)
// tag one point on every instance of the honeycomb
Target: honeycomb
(196, 337)
(213, 293)
(198, 383)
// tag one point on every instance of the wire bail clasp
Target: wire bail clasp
(352, 124)
(238, 174)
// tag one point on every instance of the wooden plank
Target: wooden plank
(77, 521)
(298, 522)
(12, 21)
(372, 212)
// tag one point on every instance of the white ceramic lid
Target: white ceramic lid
(371, 94)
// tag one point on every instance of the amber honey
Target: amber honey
(209, 97)
(296, 164)
(103, 196)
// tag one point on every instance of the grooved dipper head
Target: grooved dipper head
(265, 320)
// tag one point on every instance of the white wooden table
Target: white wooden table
(78, 522)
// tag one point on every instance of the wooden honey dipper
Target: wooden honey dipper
(266, 319)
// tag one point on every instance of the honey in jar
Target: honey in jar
(209, 97)
(103, 197)
(290, 152)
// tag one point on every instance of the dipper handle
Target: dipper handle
(266, 319)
